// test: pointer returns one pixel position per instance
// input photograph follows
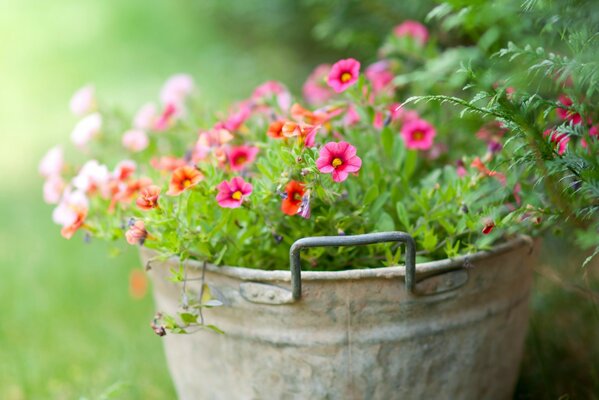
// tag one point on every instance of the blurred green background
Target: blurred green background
(68, 327)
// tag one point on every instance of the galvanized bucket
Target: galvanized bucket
(449, 329)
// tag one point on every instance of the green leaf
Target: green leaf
(215, 329)
(402, 214)
(385, 223)
(387, 139)
(188, 318)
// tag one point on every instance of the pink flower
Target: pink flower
(86, 129)
(566, 114)
(83, 101)
(71, 212)
(380, 76)
(236, 119)
(146, 117)
(418, 134)
(135, 140)
(351, 116)
(167, 117)
(91, 177)
(124, 170)
(176, 89)
(315, 89)
(148, 197)
(231, 194)
(460, 169)
(52, 162)
(401, 114)
(339, 159)
(240, 156)
(413, 29)
(344, 73)
(274, 89)
(137, 233)
(559, 140)
(53, 188)
(208, 141)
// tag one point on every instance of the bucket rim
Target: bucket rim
(426, 268)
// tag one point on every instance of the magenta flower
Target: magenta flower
(413, 29)
(559, 140)
(231, 194)
(339, 159)
(380, 75)
(344, 73)
(566, 114)
(418, 134)
(315, 88)
(240, 156)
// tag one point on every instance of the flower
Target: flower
(559, 140)
(380, 75)
(53, 188)
(183, 178)
(231, 194)
(294, 192)
(71, 212)
(418, 134)
(52, 162)
(566, 114)
(135, 140)
(167, 163)
(91, 177)
(137, 233)
(209, 141)
(315, 89)
(83, 101)
(273, 89)
(305, 133)
(275, 129)
(148, 198)
(124, 170)
(146, 117)
(351, 116)
(344, 73)
(86, 129)
(339, 159)
(412, 29)
(138, 284)
(240, 156)
(488, 226)
(176, 89)
(165, 119)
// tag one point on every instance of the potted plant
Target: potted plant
(230, 208)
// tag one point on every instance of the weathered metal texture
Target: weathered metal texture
(357, 334)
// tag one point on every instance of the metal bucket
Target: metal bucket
(449, 329)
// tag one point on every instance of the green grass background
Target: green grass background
(68, 327)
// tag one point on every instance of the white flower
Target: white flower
(66, 211)
(83, 101)
(135, 140)
(53, 187)
(146, 117)
(52, 162)
(86, 129)
(92, 175)
(176, 89)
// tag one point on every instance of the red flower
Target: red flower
(295, 193)
(488, 226)
(183, 178)
(566, 114)
(148, 198)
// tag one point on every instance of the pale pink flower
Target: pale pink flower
(91, 176)
(52, 162)
(208, 141)
(413, 29)
(53, 188)
(418, 134)
(402, 114)
(146, 117)
(176, 89)
(135, 140)
(315, 88)
(83, 101)
(381, 77)
(344, 73)
(231, 194)
(351, 116)
(71, 212)
(137, 233)
(86, 129)
(273, 89)
(338, 159)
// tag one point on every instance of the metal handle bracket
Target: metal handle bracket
(351, 240)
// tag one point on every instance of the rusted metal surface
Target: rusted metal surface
(357, 334)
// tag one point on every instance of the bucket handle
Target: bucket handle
(351, 240)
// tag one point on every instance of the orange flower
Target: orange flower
(295, 192)
(138, 284)
(148, 198)
(275, 129)
(183, 178)
(299, 113)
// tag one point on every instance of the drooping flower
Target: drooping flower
(135, 140)
(559, 140)
(275, 129)
(183, 178)
(413, 29)
(83, 101)
(293, 199)
(380, 76)
(137, 233)
(231, 194)
(146, 117)
(315, 88)
(240, 156)
(418, 134)
(566, 114)
(488, 226)
(71, 212)
(338, 159)
(148, 197)
(52, 162)
(86, 129)
(344, 73)
(176, 89)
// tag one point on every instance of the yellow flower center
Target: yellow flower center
(297, 196)
(236, 195)
(418, 135)
(186, 183)
(336, 162)
(346, 76)
(240, 160)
